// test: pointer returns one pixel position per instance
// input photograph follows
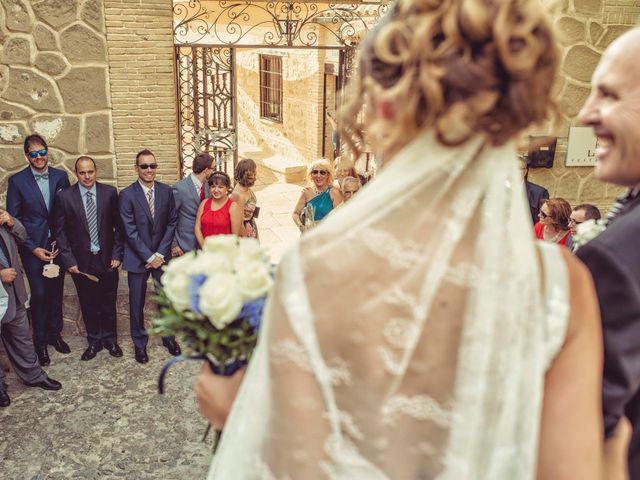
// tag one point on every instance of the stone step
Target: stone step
(293, 171)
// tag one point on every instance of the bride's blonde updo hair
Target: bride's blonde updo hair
(459, 67)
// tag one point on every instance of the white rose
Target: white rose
(254, 279)
(225, 244)
(250, 249)
(220, 299)
(210, 263)
(176, 285)
(180, 264)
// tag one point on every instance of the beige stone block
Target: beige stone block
(580, 62)
(106, 167)
(570, 30)
(17, 15)
(84, 89)
(51, 62)
(13, 112)
(32, 89)
(17, 51)
(61, 131)
(12, 158)
(595, 31)
(92, 12)
(573, 98)
(45, 38)
(568, 186)
(12, 132)
(592, 190)
(80, 44)
(98, 133)
(612, 32)
(588, 7)
(56, 13)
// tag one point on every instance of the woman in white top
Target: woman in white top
(439, 341)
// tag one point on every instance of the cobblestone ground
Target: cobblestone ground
(107, 422)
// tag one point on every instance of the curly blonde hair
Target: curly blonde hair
(459, 67)
(320, 164)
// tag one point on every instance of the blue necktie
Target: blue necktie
(4, 261)
(92, 219)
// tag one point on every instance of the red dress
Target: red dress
(538, 229)
(216, 222)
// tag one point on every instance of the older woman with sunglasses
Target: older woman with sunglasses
(554, 222)
(319, 198)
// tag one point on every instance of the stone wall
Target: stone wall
(143, 85)
(299, 136)
(585, 29)
(54, 80)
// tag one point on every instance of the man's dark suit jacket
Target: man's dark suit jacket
(25, 202)
(144, 235)
(613, 258)
(535, 194)
(72, 228)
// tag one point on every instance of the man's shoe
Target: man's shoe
(114, 349)
(46, 384)
(5, 401)
(43, 356)
(60, 345)
(91, 352)
(141, 355)
(172, 346)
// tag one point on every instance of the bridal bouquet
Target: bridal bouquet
(212, 300)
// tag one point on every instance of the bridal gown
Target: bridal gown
(408, 336)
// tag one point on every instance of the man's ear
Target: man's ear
(385, 110)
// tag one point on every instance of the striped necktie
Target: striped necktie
(619, 204)
(92, 219)
(150, 201)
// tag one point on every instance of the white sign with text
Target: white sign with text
(581, 148)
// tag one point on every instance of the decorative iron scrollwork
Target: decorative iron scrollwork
(274, 23)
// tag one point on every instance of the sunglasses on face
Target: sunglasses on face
(319, 172)
(144, 166)
(37, 153)
(542, 214)
(574, 222)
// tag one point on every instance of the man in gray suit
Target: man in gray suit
(188, 193)
(14, 325)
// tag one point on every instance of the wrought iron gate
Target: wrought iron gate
(207, 108)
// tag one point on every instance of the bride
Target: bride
(440, 341)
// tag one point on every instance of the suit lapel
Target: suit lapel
(52, 187)
(101, 201)
(78, 206)
(142, 199)
(33, 185)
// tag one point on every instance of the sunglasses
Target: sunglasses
(574, 222)
(319, 172)
(144, 166)
(41, 153)
(542, 214)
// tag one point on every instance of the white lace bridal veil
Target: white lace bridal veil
(406, 336)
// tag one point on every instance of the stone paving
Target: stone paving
(108, 421)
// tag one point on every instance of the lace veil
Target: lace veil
(406, 337)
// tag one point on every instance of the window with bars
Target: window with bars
(271, 87)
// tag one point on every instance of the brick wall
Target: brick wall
(143, 91)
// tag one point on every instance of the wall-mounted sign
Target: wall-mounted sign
(581, 148)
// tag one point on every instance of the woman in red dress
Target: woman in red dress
(554, 221)
(219, 214)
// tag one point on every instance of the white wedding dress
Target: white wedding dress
(408, 336)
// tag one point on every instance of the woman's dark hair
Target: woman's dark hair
(220, 178)
(33, 140)
(243, 168)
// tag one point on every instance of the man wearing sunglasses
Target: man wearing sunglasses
(148, 213)
(30, 198)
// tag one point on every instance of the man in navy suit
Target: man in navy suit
(188, 193)
(30, 198)
(535, 193)
(148, 214)
(89, 235)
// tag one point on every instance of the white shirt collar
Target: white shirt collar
(196, 181)
(145, 189)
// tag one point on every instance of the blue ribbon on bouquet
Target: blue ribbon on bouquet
(172, 362)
